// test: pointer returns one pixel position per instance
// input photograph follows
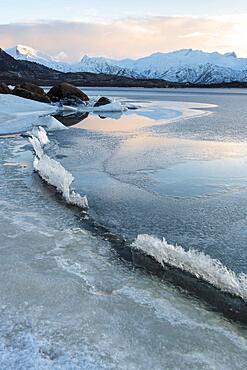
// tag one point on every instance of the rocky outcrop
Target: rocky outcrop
(35, 89)
(66, 90)
(4, 89)
(102, 101)
(23, 93)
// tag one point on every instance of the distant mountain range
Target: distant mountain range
(14, 72)
(182, 66)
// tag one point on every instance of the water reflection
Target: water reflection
(112, 115)
(145, 116)
(200, 178)
(71, 119)
(139, 179)
(113, 121)
(175, 167)
(125, 123)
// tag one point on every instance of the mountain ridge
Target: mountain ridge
(15, 72)
(181, 66)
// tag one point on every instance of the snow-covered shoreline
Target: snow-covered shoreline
(19, 115)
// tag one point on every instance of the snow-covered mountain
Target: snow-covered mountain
(103, 65)
(22, 52)
(185, 65)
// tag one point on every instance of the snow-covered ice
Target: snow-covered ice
(19, 115)
(114, 106)
(12, 104)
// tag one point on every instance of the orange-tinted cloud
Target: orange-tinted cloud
(129, 37)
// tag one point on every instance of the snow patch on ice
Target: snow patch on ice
(27, 122)
(20, 115)
(12, 104)
(114, 106)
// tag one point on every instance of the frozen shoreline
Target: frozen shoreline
(54, 270)
(19, 115)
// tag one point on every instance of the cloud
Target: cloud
(199, 34)
(130, 37)
(62, 56)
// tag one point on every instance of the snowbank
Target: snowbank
(26, 123)
(11, 104)
(19, 115)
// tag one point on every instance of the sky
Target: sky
(69, 29)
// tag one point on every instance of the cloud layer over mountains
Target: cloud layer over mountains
(129, 37)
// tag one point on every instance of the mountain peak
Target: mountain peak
(231, 54)
(23, 49)
(28, 53)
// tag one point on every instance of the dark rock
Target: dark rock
(102, 101)
(32, 88)
(66, 90)
(132, 107)
(4, 89)
(30, 95)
